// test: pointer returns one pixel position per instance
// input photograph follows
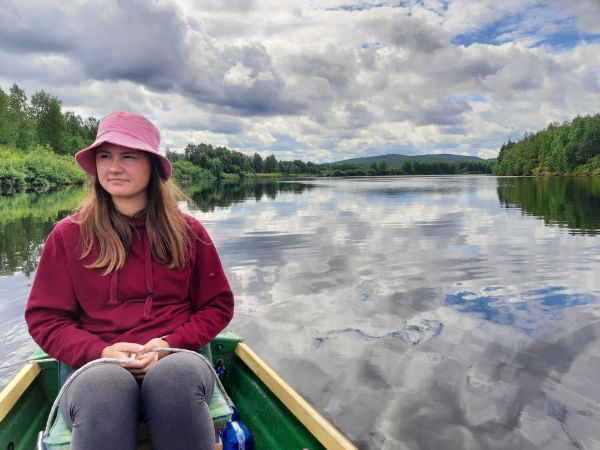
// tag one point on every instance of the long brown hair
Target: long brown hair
(169, 234)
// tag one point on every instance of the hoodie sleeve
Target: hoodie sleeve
(51, 312)
(211, 296)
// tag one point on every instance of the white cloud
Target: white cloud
(239, 75)
(339, 78)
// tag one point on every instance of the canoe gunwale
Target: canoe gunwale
(321, 428)
(11, 394)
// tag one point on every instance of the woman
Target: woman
(128, 273)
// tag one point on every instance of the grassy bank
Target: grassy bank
(36, 169)
(241, 176)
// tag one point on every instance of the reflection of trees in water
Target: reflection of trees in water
(207, 196)
(25, 222)
(27, 218)
(574, 201)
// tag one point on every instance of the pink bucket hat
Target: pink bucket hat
(127, 130)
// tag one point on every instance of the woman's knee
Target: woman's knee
(104, 387)
(105, 379)
(102, 407)
(179, 372)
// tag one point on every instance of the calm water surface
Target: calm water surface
(415, 312)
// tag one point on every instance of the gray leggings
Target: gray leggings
(105, 404)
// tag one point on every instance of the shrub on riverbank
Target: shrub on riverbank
(592, 167)
(184, 172)
(36, 168)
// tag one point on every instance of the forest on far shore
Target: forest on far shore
(570, 148)
(38, 139)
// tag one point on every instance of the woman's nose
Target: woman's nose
(115, 165)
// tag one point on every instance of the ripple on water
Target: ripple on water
(410, 333)
(17, 346)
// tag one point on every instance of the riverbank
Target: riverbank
(591, 168)
(36, 169)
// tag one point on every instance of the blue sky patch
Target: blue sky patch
(467, 98)
(567, 39)
(357, 7)
(284, 142)
(367, 45)
(491, 33)
(565, 36)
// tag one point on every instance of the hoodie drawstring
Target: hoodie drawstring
(112, 297)
(114, 282)
(149, 279)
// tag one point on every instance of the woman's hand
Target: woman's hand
(156, 343)
(125, 350)
(121, 350)
(146, 357)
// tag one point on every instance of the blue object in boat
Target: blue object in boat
(236, 436)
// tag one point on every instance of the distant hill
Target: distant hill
(396, 160)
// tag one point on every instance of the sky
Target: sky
(321, 80)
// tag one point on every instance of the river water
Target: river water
(453, 312)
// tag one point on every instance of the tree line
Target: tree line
(561, 149)
(37, 139)
(40, 121)
(408, 168)
(205, 161)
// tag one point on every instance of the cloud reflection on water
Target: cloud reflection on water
(527, 311)
(416, 312)
(340, 278)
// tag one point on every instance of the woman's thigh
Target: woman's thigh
(177, 372)
(175, 396)
(102, 404)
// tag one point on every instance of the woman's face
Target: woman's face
(123, 173)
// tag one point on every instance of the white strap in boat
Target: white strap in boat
(240, 435)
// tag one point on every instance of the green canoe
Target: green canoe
(277, 416)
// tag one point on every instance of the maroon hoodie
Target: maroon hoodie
(73, 313)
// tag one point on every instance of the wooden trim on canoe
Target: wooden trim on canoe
(320, 427)
(18, 385)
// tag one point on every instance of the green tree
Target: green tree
(18, 130)
(46, 109)
(215, 167)
(270, 164)
(75, 136)
(91, 128)
(4, 123)
(257, 163)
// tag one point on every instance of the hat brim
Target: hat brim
(86, 158)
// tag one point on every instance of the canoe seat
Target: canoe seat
(59, 437)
